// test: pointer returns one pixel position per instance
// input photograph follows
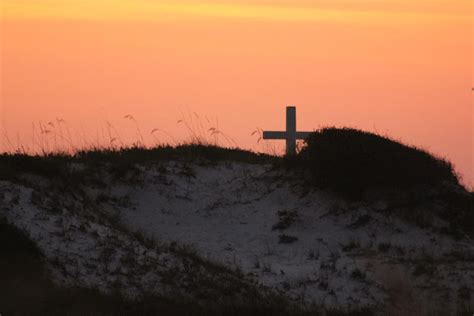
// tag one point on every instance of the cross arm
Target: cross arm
(302, 135)
(284, 135)
(274, 135)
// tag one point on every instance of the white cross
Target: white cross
(291, 135)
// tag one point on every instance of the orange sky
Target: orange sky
(399, 67)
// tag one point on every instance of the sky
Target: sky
(82, 72)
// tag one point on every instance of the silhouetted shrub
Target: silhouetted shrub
(14, 243)
(351, 162)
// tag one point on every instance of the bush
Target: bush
(14, 243)
(352, 162)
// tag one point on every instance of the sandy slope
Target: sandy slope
(345, 255)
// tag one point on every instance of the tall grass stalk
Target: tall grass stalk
(57, 136)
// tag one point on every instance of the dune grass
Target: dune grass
(12, 165)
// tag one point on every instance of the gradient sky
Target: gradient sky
(399, 67)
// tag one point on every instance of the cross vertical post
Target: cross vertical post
(290, 130)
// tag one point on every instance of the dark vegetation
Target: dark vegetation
(346, 161)
(361, 166)
(285, 219)
(120, 161)
(351, 162)
(355, 164)
(286, 239)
